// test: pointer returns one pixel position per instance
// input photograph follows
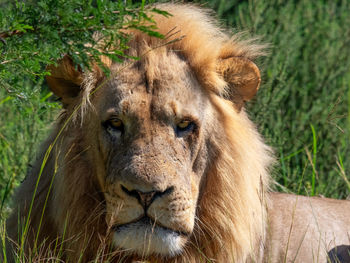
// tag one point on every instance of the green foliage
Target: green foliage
(23, 124)
(36, 34)
(306, 83)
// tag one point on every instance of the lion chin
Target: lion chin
(145, 238)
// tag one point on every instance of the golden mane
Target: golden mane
(203, 41)
(197, 35)
(231, 213)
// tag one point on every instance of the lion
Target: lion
(159, 162)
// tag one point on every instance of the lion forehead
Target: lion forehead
(167, 87)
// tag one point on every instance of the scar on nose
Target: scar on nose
(125, 107)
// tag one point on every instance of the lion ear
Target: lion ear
(242, 77)
(65, 80)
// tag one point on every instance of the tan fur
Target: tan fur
(212, 183)
(307, 229)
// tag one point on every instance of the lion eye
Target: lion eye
(114, 125)
(184, 126)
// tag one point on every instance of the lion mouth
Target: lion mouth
(144, 236)
(149, 222)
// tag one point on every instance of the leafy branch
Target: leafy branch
(39, 33)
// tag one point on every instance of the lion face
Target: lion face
(152, 147)
(165, 143)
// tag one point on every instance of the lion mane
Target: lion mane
(231, 208)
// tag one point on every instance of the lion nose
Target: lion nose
(145, 198)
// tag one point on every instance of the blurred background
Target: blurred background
(302, 108)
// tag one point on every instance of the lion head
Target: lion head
(160, 161)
